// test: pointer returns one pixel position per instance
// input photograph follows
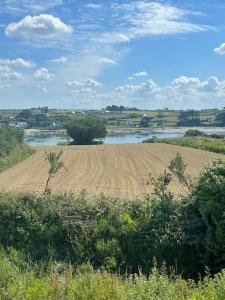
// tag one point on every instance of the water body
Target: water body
(50, 140)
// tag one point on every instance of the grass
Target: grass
(16, 155)
(203, 143)
(21, 281)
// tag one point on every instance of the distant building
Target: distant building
(22, 125)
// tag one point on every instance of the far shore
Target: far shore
(122, 130)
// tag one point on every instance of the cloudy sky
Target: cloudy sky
(89, 54)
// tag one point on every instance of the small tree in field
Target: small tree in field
(55, 164)
(178, 167)
(83, 131)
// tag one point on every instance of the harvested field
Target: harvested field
(118, 170)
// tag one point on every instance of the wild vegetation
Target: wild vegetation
(211, 144)
(23, 281)
(12, 147)
(48, 242)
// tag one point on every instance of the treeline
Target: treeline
(186, 234)
(12, 147)
(120, 108)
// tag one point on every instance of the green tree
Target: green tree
(220, 118)
(83, 131)
(24, 115)
(55, 164)
(145, 121)
(209, 192)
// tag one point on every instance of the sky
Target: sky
(90, 54)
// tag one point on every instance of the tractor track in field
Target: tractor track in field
(116, 170)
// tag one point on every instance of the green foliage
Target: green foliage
(161, 185)
(194, 132)
(55, 164)
(220, 118)
(24, 115)
(12, 148)
(116, 234)
(189, 118)
(9, 138)
(16, 155)
(209, 193)
(84, 130)
(177, 167)
(29, 282)
(145, 121)
(203, 143)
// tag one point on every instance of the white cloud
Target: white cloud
(182, 93)
(60, 60)
(138, 75)
(43, 89)
(139, 19)
(220, 49)
(93, 6)
(40, 26)
(43, 73)
(143, 89)
(18, 62)
(28, 6)
(7, 73)
(107, 61)
(114, 38)
(89, 83)
(185, 81)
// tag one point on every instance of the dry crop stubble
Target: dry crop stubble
(117, 170)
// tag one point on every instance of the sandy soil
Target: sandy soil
(118, 170)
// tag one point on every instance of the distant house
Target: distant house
(22, 125)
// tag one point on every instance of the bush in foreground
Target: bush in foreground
(123, 236)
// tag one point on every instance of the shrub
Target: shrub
(83, 131)
(209, 193)
(12, 148)
(194, 132)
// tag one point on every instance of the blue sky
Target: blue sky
(89, 54)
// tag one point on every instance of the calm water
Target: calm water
(120, 139)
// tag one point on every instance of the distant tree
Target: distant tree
(55, 164)
(220, 119)
(160, 118)
(83, 131)
(192, 132)
(24, 115)
(189, 118)
(40, 120)
(121, 108)
(145, 121)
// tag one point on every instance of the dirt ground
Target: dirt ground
(116, 170)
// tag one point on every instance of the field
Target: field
(118, 170)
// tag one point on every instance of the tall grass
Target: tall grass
(203, 143)
(12, 147)
(19, 281)
(16, 155)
